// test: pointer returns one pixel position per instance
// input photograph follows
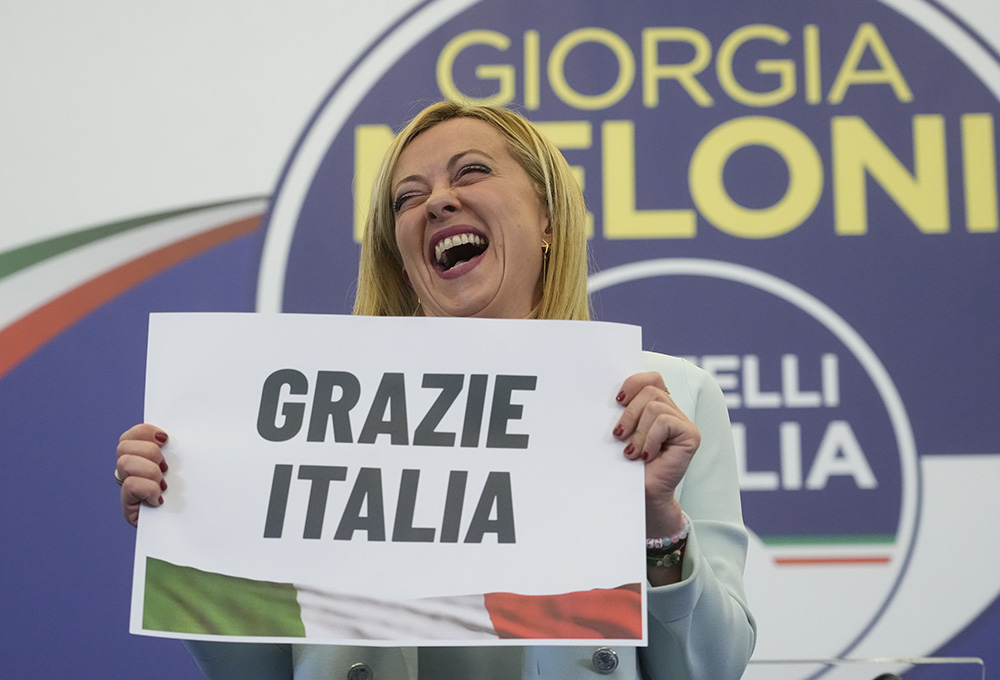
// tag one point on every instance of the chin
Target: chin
(468, 308)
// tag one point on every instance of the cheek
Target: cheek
(406, 242)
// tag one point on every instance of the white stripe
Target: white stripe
(953, 37)
(344, 616)
(821, 550)
(30, 288)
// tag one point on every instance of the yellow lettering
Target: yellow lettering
(813, 73)
(805, 177)
(685, 74)
(370, 143)
(783, 68)
(980, 169)
(532, 76)
(618, 47)
(621, 219)
(867, 36)
(502, 73)
(858, 152)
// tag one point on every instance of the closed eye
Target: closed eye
(401, 200)
(473, 168)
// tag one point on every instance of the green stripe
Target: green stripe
(188, 600)
(844, 539)
(17, 259)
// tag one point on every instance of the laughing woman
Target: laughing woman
(475, 214)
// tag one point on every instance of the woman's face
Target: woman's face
(469, 224)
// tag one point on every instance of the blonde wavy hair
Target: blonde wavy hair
(382, 289)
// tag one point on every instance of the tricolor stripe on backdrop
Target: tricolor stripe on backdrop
(817, 551)
(48, 286)
(186, 600)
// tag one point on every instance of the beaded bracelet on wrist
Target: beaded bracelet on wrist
(666, 541)
(665, 559)
(669, 550)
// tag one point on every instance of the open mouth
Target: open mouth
(455, 250)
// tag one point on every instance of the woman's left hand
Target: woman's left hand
(656, 431)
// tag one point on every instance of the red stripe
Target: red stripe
(22, 338)
(614, 614)
(785, 561)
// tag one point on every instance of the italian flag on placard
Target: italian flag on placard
(186, 600)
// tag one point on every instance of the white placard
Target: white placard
(391, 481)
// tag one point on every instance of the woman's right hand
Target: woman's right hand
(140, 469)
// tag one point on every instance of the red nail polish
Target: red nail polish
(163, 485)
(621, 396)
(161, 437)
(163, 466)
(618, 430)
(629, 449)
(160, 502)
(645, 456)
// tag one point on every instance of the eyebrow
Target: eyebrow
(451, 163)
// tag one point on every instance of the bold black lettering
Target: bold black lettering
(450, 386)
(321, 476)
(403, 529)
(474, 411)
(274, 524)
(367, 490)
(325, 407)
(270, 396)
(504, 411)
(391, 398)
(453, 502)
(496, 492)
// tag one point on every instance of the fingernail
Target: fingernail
(629, 449)
(618, 430)
(163, 466)
(161, 437)
(163, 485)
(645, 456)
(621, 396)
(160, 501)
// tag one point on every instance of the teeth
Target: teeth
(452, 241)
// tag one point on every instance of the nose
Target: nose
(442, 202)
